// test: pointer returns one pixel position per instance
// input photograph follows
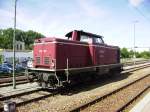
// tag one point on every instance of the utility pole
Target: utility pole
(14, 47)
(134, 56)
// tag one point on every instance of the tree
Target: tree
(145, 54)
(131, 54)
(138, 55)
(30, 37)
(124, 53)
(6, 38)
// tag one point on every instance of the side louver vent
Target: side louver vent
(37, 60)
(46, 61)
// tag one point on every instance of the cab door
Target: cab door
(99, 51)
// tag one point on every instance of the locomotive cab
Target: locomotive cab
(85, 37)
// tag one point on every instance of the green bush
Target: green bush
(129, 54)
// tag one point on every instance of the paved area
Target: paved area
(4, 91)
(143, 105)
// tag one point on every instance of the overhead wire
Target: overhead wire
(141, 13)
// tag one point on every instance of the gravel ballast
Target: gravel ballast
(112, 103)
(63, 103)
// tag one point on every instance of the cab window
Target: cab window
(98, 41)
(85, 38)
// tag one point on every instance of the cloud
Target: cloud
(135, 3)
(50, 22)
(25, 20)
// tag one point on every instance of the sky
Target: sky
(113, 19)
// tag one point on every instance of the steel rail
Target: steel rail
(19, 78)
(2, 98)
(10, 84)
(136, 62)
(135, 68)
(4, 75)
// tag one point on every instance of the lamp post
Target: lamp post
(14, 46)
(134, 23)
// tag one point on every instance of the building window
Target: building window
(17, 47)
(20, 47)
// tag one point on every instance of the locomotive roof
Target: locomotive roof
(83, 33)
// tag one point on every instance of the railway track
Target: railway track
(109, 96)
(27, 97)
(10, 83)
(134, 68)
(10, 75)
(9, 79)
(136, 62)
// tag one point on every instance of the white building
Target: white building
(21, 54)
(20, 46)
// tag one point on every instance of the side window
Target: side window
(85, 38)
(98, 40)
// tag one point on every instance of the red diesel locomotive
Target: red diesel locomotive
(59, 61)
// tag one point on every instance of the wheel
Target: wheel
(46, 77)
